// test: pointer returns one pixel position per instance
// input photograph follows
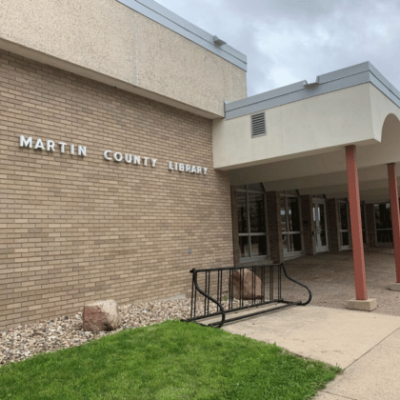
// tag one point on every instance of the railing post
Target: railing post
(192, 299)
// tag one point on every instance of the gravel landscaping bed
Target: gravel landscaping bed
(60, 333)
(24, 341)
(329, 276)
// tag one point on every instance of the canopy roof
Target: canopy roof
(308, 127)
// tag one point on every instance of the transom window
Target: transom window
(251, 206)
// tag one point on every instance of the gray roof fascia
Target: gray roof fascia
(395, 94)
(170, 20)
(326, 83)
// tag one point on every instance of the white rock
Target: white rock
(101, 316)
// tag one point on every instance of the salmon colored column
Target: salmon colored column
(356, 226)
(394, 208)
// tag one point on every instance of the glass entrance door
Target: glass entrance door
(344, 226)
(320, 225)
(291, 225)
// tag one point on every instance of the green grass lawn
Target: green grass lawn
(172, 360)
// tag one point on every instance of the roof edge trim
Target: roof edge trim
(326, 83)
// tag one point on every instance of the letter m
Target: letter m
(25, 142)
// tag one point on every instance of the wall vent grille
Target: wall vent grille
(258, 125)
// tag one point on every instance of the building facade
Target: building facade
(93, 200)
(130, 154)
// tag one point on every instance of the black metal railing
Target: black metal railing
(219, 291)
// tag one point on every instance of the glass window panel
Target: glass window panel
(343, 215)
(321, 213)
(296, 240)
(383, 218)
(257, 213)
(385, 215)
(251, 221)
(345, 239)
(242, 212)
(294, 214)
(321, 209)
(377, 216)
(258, 246)
(384, 236)
(316, 235)
(323, 238)
(286, 243)
(244, 246)
(363, 216)
(256, 186)
(283, 214)
(364, 223)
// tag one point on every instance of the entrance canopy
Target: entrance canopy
(295, 137)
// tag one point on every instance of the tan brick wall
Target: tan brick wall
(77, 229)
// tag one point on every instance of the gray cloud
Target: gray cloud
(287, 41)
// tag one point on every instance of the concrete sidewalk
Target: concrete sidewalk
(374, 376)
(366, 345)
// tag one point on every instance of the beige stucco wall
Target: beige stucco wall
(107, 41)
(309, 126)
(381, 107)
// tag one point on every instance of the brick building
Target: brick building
(130, 154)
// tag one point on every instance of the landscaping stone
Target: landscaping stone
(101, 316)
(251, 283)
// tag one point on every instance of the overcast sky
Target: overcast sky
(287, 41)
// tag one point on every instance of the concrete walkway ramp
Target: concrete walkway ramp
(337, 337)
(375, 376)
(366, 345)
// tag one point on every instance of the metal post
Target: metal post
(356, 224)
(394, 208)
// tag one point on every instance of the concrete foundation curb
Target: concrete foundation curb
(394, 286)
(362, 305)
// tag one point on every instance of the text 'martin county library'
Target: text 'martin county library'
(130, 154)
